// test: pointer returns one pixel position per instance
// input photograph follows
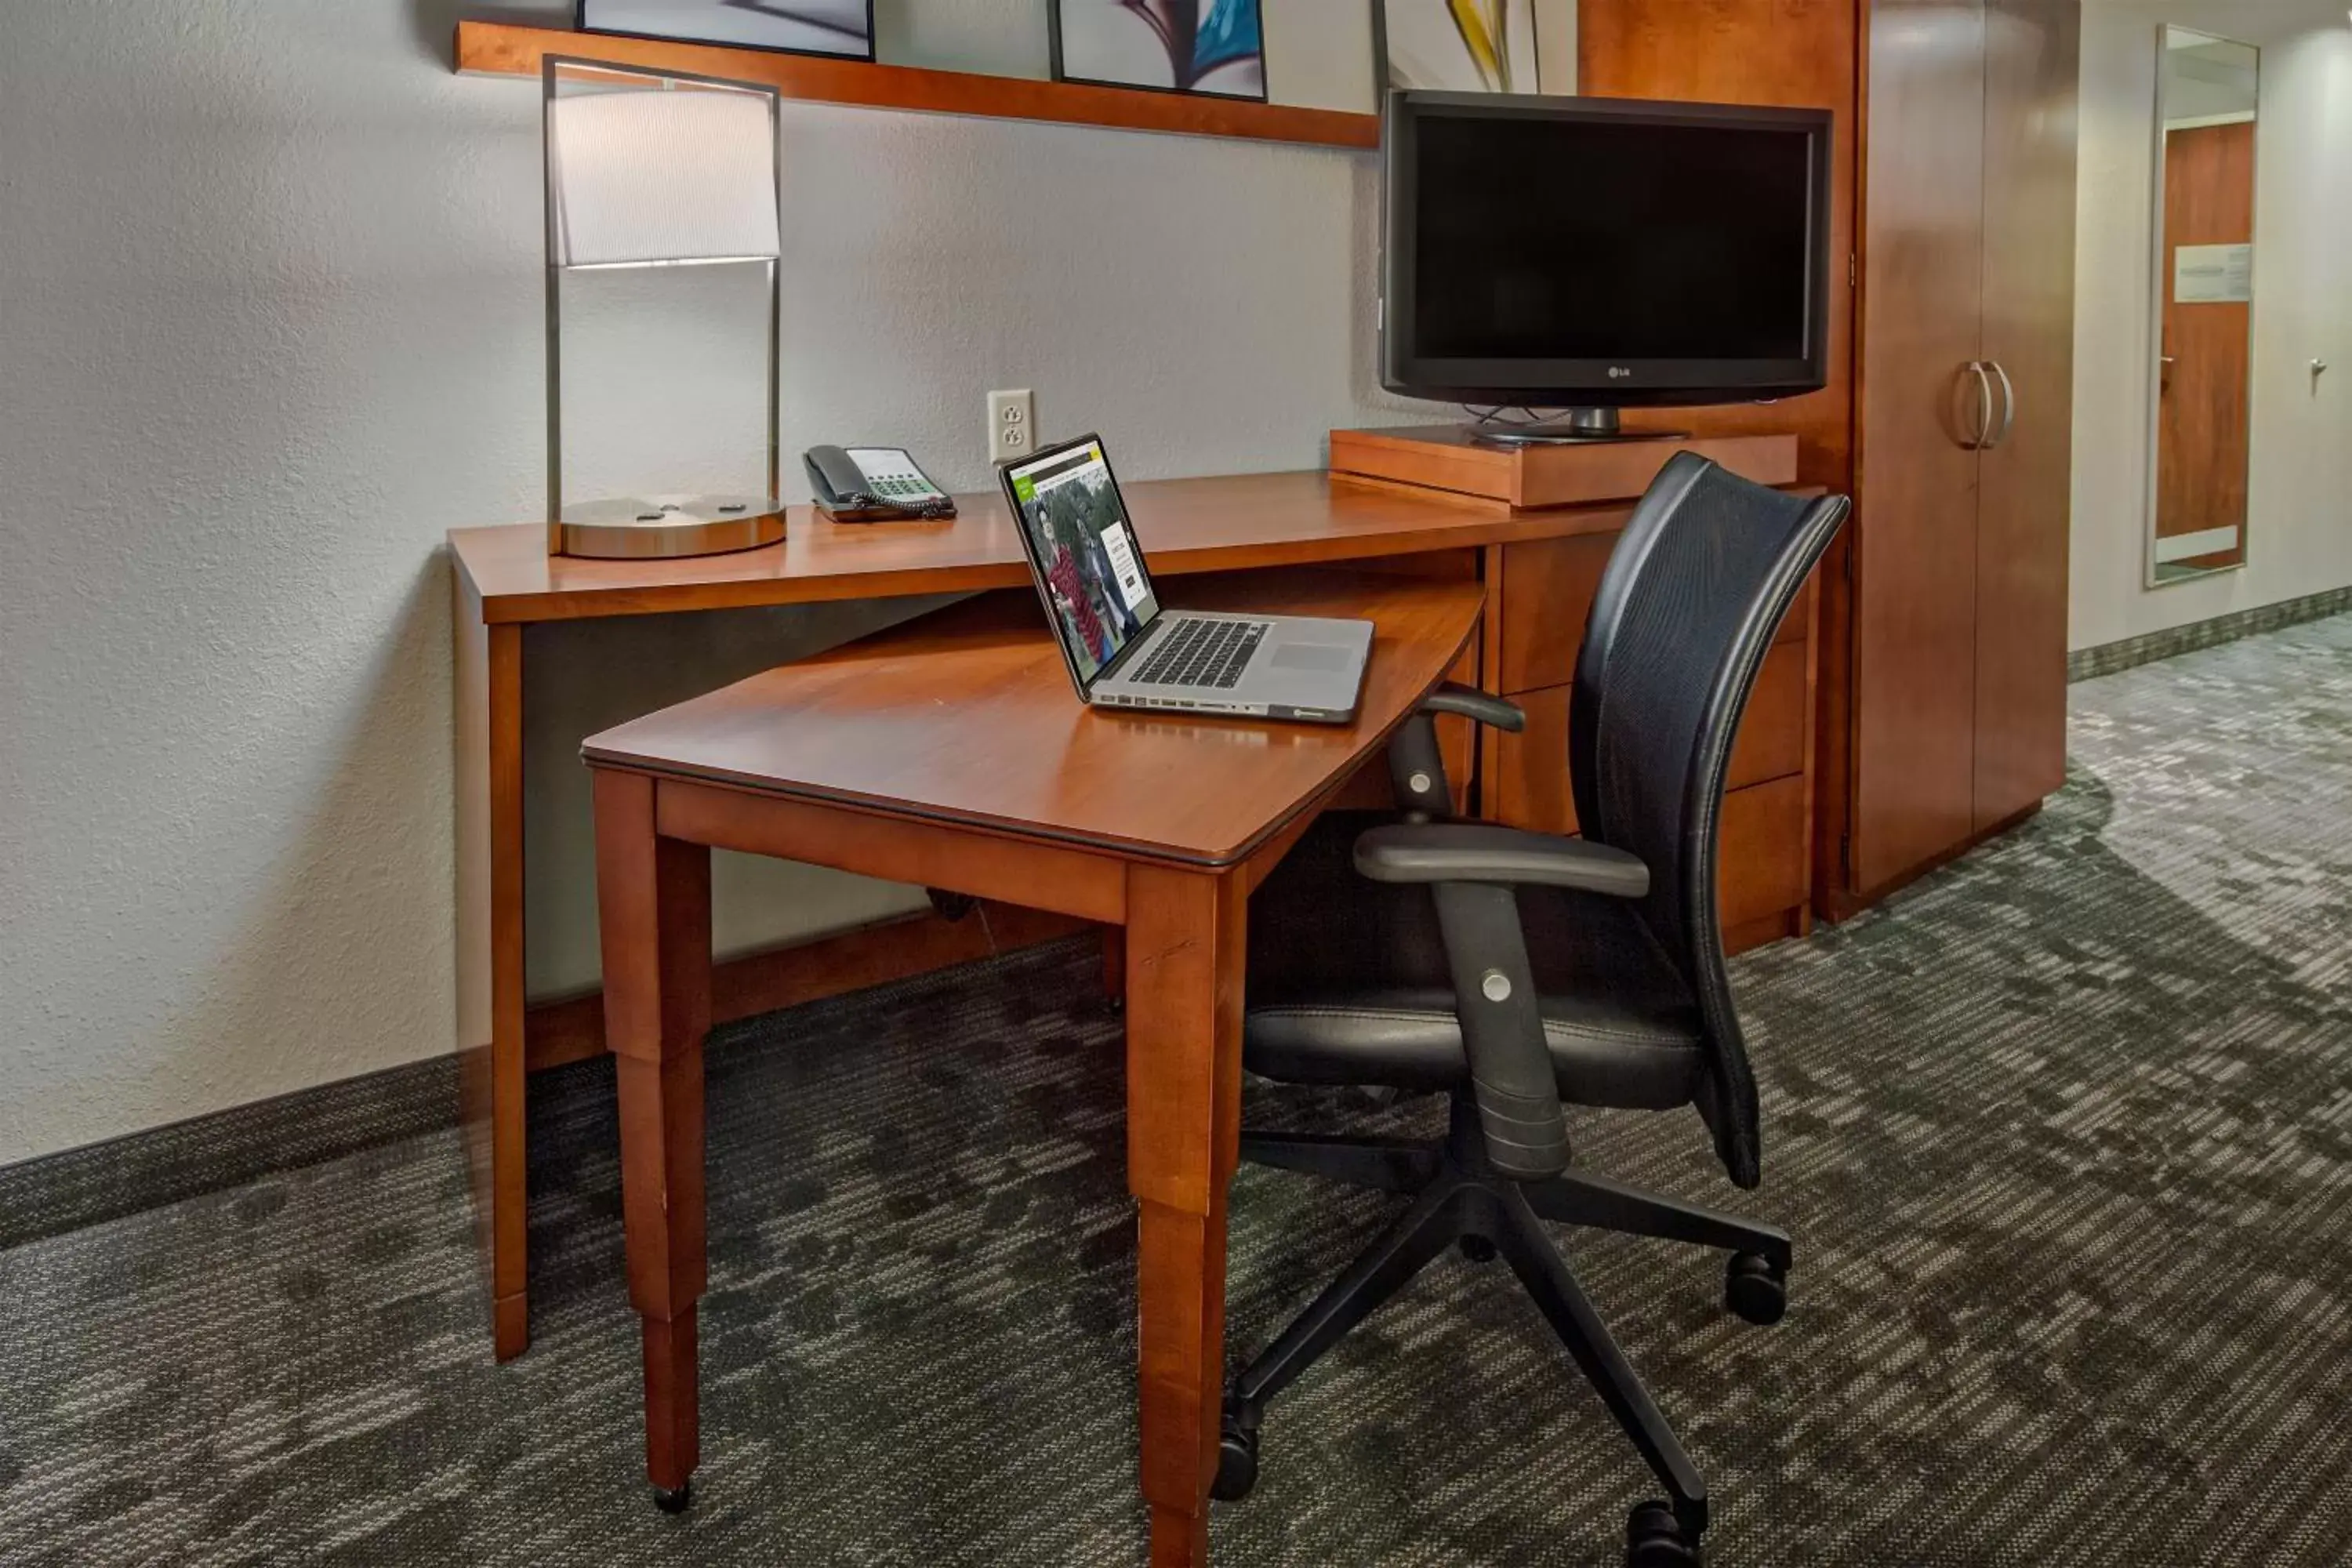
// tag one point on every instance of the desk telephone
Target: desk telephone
(872, 484)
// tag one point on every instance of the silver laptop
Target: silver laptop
(1124, 650)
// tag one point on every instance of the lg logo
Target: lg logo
(1618, 373)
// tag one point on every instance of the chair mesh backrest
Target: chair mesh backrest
(1685, 612)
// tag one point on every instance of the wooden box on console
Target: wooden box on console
(1526, 479)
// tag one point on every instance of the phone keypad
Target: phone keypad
(892, 476)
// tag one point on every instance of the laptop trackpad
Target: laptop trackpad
(1313, 655)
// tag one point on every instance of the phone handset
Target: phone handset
(838, 482)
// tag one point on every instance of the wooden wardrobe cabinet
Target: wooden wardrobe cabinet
(1963, 430)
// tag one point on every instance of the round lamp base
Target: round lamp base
(640, 528)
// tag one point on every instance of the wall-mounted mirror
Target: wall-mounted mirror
(2206, 96)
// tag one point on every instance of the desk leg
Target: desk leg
(511, 1214)
(1184, 959)
(653, 898)
(489, 661)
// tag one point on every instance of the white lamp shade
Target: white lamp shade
(655, 176)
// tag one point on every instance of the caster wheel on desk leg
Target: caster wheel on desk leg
(670, 1502)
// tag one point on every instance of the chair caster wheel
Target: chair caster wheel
(670, 1502)
(1236, 1460)
(1755, 1288)
(1477, 1249)
(1654, 1539)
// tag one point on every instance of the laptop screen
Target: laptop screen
(1090, 568)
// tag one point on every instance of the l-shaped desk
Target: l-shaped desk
(1538, 568)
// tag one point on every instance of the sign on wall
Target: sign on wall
(2213, 274)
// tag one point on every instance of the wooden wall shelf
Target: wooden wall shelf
(500, 49)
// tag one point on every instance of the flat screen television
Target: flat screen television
(1596, 254)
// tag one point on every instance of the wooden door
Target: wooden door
(2033, 53)
(1915, 617)
(2202, 423)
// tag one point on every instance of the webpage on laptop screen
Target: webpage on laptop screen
(1084, 545)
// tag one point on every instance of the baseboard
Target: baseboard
(2108, 658)
(51, 1194)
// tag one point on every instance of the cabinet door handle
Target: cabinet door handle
(2008, 405)
(1984, 407)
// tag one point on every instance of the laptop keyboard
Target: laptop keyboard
(1203, 653)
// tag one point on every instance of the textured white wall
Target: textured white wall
(266, 318)
(269, 323)
(2299, 530)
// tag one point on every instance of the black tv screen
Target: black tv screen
(1601, 253)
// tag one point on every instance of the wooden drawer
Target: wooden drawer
(1763, 841)
(1530, 788)
(1547, 592)
(1771, 740)
(1547, 587)
(1530, 783)
(1762, 850)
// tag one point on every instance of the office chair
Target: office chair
(1517, 972)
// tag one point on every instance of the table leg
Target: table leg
(653, 899)
(488, 663)
(511, 1217)
(1184, 961)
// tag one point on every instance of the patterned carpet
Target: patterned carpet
(2065, 1134)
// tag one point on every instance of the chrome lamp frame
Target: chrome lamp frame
(669, 526)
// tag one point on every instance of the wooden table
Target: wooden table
(506, 583)
(953, 753)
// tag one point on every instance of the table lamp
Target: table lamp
(658, 169)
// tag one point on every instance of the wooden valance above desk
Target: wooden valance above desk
(1538, 567)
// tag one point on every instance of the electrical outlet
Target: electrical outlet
(1012, 425)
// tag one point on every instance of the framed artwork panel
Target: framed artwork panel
(844, 29)
(1454, 46)
(1215, 47)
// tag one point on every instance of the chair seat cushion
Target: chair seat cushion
(1348, 984)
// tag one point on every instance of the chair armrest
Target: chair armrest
(1417, 766)
(1483, 852)
(1479, 707)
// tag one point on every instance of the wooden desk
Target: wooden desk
(954, 753)
(505, 581)
(1538, 568)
